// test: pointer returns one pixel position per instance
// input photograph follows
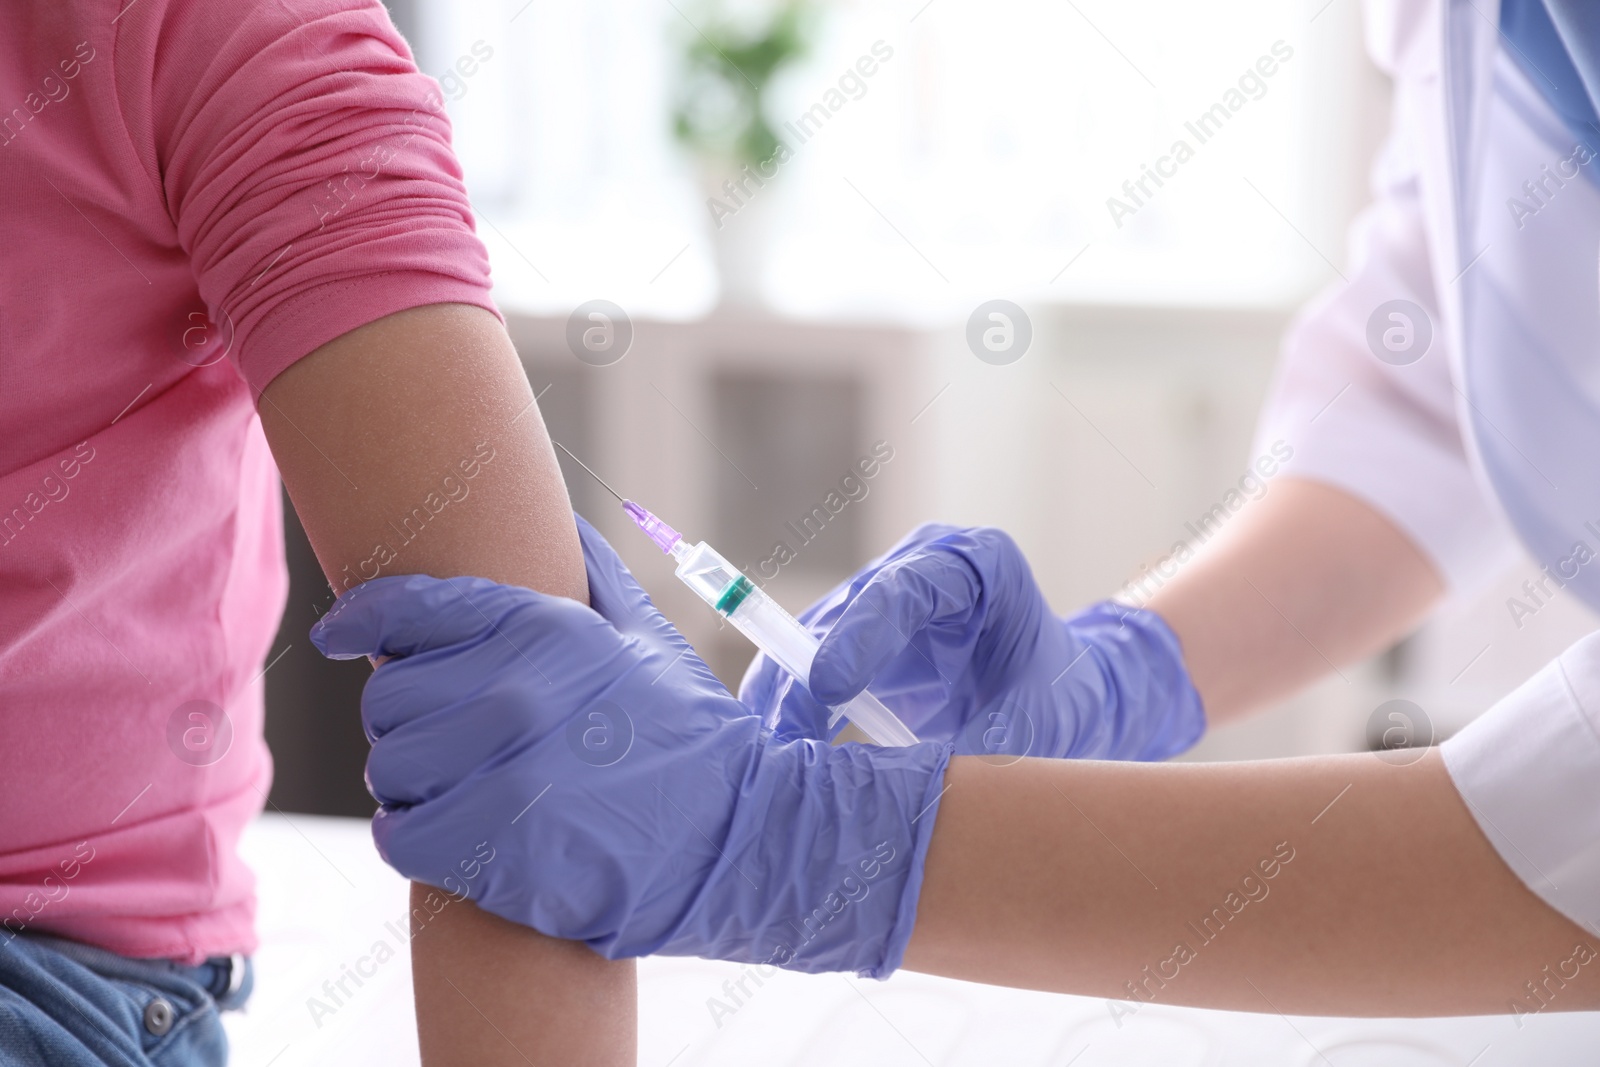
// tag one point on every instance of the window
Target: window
(980, 159)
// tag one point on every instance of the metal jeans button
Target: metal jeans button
(158, 1016)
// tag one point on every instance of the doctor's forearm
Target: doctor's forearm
(1333, 885)
(412, 446)
(1306, 579)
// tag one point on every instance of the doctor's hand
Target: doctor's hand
(951, 631)
(583, 772)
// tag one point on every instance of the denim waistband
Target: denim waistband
(228, 979)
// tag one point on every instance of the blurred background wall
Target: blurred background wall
(777, 333)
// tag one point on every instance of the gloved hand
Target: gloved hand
(953, 633)
(622, 796)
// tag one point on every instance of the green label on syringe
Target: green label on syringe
(734, 595)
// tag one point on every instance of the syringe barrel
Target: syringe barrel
(875, 720)
(778, 634)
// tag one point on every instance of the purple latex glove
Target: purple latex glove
(620, 793)
(951, 631)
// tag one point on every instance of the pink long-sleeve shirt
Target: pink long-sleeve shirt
(196, 194)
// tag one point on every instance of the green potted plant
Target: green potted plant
(729, 58)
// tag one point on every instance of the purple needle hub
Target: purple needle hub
(663, 535)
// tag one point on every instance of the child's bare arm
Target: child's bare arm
(413, 446)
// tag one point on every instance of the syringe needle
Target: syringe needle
(585, 466)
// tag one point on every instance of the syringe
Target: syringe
(760, 618)
(757, 616)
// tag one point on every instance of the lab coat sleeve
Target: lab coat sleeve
(1529, 771)
(1384, 433)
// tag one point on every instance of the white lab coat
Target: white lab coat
(1493, 436)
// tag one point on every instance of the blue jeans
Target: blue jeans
(65, 1004)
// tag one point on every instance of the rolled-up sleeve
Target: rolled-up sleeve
(1387, 434)
(307, 167)
(1529, 770)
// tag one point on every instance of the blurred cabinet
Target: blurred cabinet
(313, 723)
